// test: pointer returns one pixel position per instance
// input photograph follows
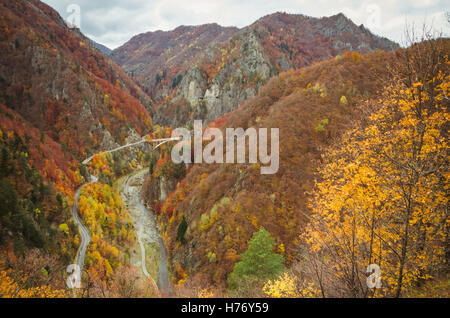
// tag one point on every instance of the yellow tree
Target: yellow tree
(10, 288)
(290, 286)
(383, 198)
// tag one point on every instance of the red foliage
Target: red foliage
(158, 208)
(278, 202)
(64, 79)
(47, 157)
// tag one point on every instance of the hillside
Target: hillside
(60, 101)
(223, 204)
(219, 75)
(102, 48)
(39, 54)
(155, 59)
(357, 133)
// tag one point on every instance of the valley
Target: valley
(152, 253)
(354, 172)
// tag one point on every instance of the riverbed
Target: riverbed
(150, 255)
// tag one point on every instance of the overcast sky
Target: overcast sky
(113, 22)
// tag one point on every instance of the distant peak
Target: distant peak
(339, 15)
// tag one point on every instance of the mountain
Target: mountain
(362, 175)
(209, 212)
(102, 48)
(155, 59)
(193, 76)
(295, 41)
(54, 77)
(223, 204)
(60, 101)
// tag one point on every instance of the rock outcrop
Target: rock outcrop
(209, 70)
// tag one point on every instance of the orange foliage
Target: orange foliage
(48, 157)
(224, 203)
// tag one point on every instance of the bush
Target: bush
(322, 125)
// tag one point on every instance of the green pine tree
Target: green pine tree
(181, 231)
(258, 263)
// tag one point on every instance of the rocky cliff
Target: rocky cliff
(215, 77)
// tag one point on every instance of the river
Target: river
(152, 256)
(152, 252)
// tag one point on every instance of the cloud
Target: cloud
(113, 22)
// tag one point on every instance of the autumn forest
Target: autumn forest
(357, 209)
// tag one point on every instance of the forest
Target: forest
(373, 191)
(357, 207)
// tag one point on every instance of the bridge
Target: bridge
(144, 139)
(84, 232)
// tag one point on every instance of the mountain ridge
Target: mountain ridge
(61, 100)
(206, 82)
(102, 48)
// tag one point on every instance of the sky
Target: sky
(114, 22)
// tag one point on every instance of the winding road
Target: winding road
(136, 201)
(85, 236)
